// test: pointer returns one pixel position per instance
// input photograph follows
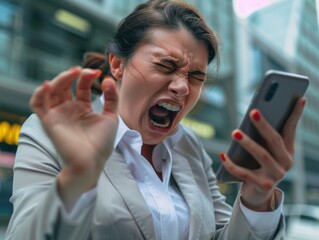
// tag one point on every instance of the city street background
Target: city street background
(41, 38)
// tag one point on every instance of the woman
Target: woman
(123, 167)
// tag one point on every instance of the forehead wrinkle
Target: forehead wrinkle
(163, 53)
(160, 51)
(182, 58)
(186, 60)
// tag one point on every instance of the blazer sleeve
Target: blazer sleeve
(38, 211)
(230, 222)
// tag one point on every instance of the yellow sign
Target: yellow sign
(202, 129)
(9, 133)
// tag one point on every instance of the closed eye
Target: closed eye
(198, 79)
(197, 75)
(166, 68)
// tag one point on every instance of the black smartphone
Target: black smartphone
(275, 98)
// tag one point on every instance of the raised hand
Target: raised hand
(83, 138)
(275, 160)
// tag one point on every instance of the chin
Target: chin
(157, 135)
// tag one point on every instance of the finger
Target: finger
(260, 154)
(110, 95)
(38, 101)
(61, 86)
(59, 98)
(289, 130)
(273, 139)
(64, 80)
(245, 174)
(83, 89)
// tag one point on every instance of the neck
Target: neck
(147, 153)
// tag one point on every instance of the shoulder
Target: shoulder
(191, 137)
(33, 139)
(32, 126)
(190, 144)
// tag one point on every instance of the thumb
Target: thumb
(110, 95)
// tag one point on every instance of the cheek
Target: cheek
(138, 79)
(132, 98)
(131, 106)
(133, 88)
(134, 94)
(194, 96)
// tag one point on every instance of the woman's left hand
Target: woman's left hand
(275, 160)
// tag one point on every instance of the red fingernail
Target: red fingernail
(46, 84)
(98, 72)
(303, 102)
(238, 135)
(222, 157)
(256, 116)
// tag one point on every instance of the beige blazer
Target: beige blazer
(119, 211)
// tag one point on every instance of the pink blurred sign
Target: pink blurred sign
(244, 8)
(6, 159)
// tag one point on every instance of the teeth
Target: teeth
(160, 125)
(169, 106)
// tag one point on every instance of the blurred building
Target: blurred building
(285, 36)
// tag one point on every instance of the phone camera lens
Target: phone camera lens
(271, 91)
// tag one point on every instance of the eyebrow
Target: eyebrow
(169, 60)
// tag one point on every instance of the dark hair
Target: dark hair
(133, 30)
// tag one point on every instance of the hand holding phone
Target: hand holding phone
(274, 98)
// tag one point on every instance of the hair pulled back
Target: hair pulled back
(133, 30)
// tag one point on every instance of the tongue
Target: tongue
(159, 111)
(159, 115)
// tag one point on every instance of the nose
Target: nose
(179, 86)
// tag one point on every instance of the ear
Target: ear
(116, 66)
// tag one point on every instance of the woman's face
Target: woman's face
(161, 82)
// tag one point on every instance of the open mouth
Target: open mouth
(163, 114)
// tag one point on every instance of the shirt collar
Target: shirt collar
(123, 130)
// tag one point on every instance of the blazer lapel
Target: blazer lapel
(120, 176)
(184, 178)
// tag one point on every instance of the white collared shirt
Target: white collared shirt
(169, 209)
